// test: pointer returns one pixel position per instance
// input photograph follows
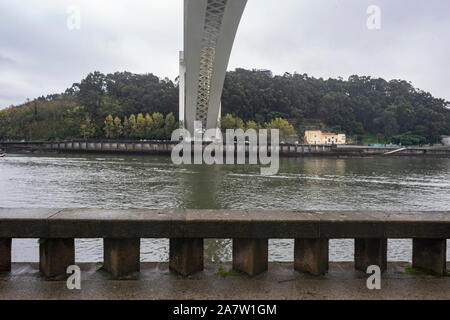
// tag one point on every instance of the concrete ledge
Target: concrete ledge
(25, 223)
(249, 229)
(255, 224)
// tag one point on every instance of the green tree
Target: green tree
(158, 125)
(109, 127)
(228, 122)
(118, 129)
(90, 93)
(87, 129)
(148, 126)
(252, 125)
(239, 124)
(133, 126)
(72, 122)
(407, 139)
(126, 128)
(286, 129)
(169, 126)
(140, 126)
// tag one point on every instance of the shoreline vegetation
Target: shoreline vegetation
(131, 106)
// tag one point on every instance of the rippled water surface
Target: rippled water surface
(92, 181)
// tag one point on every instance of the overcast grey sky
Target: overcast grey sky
(39, 55)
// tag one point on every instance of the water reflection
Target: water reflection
(54, 180)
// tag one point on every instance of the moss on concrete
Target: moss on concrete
(221, 272)
(418, 271)
(99, 267)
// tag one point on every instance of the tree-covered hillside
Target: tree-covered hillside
(357, 106)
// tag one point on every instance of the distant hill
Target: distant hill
(357, 106)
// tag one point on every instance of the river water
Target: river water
(118, 181)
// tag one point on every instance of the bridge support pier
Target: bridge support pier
(122, 257)
(5, 255)
(251, 256)
(311, 256)
(430, 255)
(369, 252)
(55, 255)
(186, 256)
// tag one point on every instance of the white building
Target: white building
(446, 140)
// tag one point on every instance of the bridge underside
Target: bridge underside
(210, 27)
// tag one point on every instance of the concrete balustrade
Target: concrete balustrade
(55, 255)
(249, 229)
(311, 256)
(369, 252)
(5, 255)
(156, 147)
(251, 256)
(121, 256)
(186, 256)
(430, 254)
(165, 147)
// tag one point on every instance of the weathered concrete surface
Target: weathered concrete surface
(311, 255)
(55, 255)
(25, 223)
(254, 224)
(107, 223)
(186, 256)
(430, 254)
(369, 252)
(122, 257)
(5, 254)
(251, 256)
(281, 282)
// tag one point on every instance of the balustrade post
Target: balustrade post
(311, 256)
(5, 255)
(186, 256)
(55, 255)
(430, 255)
(370, 252)
(121, 257)
(251, 256)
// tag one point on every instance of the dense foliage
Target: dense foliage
(359, 106)
(407, 139)
(154, 127)
(253, 99)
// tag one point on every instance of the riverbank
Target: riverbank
(166, 147)
(281, 282)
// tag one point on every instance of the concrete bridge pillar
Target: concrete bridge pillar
(311, 256)
(122, 257)
(5, 255)
(430, 255)
(210, 27)
(55, 255)
(251, 256)
(370, 252)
